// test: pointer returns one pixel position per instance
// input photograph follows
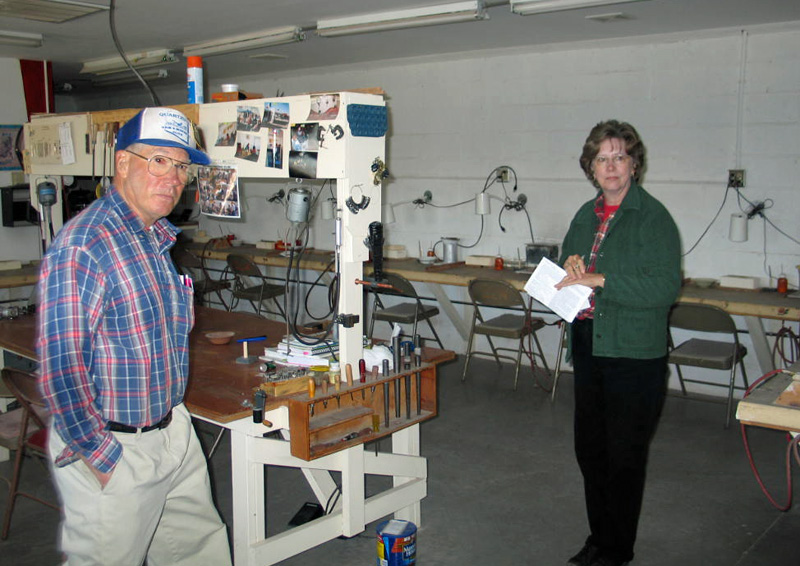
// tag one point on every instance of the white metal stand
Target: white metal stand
(250, 452)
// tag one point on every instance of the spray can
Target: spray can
(194, 79)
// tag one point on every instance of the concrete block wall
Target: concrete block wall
(703, 103)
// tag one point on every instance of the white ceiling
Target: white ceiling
(149, 24)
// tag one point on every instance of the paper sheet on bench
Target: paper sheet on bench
(566, 302)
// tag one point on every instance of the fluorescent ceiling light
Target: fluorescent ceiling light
(21, 39)
(265, 38)
(398, 19)
(53, 11)
(526, 7)
(148, 75)
(138, 60)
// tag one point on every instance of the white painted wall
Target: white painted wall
(19, 242)
(703, 104)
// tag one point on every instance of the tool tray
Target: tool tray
(355, 414)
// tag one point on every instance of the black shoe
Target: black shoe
(586, 556)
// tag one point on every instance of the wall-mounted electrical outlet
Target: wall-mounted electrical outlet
(736, 178)
(502, 174)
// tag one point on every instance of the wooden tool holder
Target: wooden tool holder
(333, 421)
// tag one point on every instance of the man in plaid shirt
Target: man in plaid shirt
(113, 341)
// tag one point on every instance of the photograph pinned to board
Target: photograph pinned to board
(9, 159)
(248, 119)
(248, 146)
(303, 164)
(305, 136)
(324, 107)
(275, 148)
(226, 134)
(276, 115)
(218, 191)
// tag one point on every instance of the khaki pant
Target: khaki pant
(157, 504)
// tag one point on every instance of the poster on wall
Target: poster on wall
(275, 148)
(324, 107)
(226, 134)
(218, 190)
(248, 146)
(9, 161)
(276, 115)
(248, 119)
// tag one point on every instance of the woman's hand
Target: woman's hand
(577, 274)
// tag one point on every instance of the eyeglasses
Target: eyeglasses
(160, 165)
(616, 159)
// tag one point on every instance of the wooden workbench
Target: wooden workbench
(754, 306)
(774, 404)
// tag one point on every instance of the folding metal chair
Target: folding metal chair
(408, 313)
(499, 294)
(251, 285)
(189, 264)
(711, 354)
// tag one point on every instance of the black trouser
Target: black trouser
(617, 405)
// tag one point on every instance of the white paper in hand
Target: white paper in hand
(566, 302)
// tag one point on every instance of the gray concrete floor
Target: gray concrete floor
(504, 487)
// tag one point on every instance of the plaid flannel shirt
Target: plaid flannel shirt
(113, 328)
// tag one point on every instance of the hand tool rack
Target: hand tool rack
(333, 421)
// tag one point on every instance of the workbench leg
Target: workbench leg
(353, 491)
(760, 345)
(406, 441)
(247, 479)
(449, 309)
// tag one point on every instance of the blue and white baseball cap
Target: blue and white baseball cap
(164, 127)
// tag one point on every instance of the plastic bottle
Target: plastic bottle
(194, 79)
(783, 284)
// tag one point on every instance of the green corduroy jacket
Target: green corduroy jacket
(641, 260)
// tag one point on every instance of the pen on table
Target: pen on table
(252, 339)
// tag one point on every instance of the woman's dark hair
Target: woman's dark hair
(608, 130)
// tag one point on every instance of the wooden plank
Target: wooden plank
(764, 407)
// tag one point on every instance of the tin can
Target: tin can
(397, 543)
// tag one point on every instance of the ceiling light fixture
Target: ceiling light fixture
(21, 39)
(265, 38)
(527, 7)
(139, 60)
(53, 11)
(399, 19)
(148, 75)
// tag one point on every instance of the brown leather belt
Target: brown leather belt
(119, 427)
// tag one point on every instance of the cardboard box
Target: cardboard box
(738, 282)
(239, 95)
(480, 260)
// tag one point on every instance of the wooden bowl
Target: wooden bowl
(221, 337)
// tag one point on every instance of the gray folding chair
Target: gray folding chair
(409, 313)
(251, 285)
(704, 353)
(496, 293)
(189, 264)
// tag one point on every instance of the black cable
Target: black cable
(313, 285)
(724, 198)
(112, 22)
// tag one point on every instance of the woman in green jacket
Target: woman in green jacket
(625, 245)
